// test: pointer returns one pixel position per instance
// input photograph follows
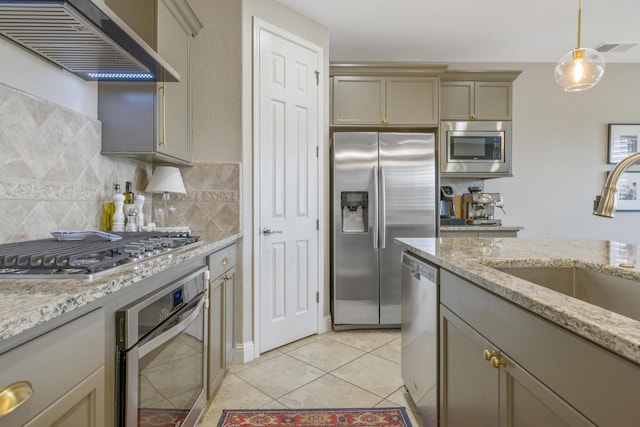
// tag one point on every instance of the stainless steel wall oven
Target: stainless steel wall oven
(161, 354)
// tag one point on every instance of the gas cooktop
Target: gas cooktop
(88, 256)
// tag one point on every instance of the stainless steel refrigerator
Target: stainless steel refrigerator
(383, 187)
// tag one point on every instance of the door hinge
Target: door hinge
(317, 224)
(317, 77)
(317, 297)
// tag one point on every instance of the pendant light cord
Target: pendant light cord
(579, 21)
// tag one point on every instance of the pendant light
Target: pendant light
(580, 68)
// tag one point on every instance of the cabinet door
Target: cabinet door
(412, 100)
(467, 100)
(173, 98)
(81, 406)
(469, 383)
(55, 363)
(216, 336)
(525, 401)
(229, 315)
(493, 100)
(457, 100)
(358, 100)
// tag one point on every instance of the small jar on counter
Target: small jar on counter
(132, 220)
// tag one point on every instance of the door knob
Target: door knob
(267, 231)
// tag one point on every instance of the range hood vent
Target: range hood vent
(85, 38)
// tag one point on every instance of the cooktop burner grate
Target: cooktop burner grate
(92, 254)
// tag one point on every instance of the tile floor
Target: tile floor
(346, 369)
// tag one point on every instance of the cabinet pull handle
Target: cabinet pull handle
(225, 261)
(385, 121)
(14, 395)
(227, 277)
(498, 361)
(163, 141)
(472, 116)
(488, 355)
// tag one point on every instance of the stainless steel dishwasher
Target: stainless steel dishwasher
(419, 335)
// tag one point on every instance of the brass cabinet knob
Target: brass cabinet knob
(498, 361)
(488, 355)
(14, 395)
(385, 121)
(227, 277)
(225, 261)
(472, 116)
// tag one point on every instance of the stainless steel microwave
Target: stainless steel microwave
(479, 149)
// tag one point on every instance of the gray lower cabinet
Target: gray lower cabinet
(484, 387)
(68, 386)
(502, 365)
(469, 390)
(222, 265)
(487, 234)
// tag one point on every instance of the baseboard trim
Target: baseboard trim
(325, 324)
(244, 352)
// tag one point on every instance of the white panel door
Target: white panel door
(287, 137)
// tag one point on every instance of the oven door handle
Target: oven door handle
(165, 333)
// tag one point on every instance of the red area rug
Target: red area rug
(361, 417)
(161, 417)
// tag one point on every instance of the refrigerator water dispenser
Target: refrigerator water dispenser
(354, 211)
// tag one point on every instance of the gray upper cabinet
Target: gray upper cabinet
(151, 121)
(477, 95)
(358, 100)
(385, 95)
(385, 101)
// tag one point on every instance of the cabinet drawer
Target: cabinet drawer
(54, 363)
(222, 260)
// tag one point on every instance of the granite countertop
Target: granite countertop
(472, 227)
(474, 258)
(27, 303)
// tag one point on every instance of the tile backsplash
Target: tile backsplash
(53, 177)
(212, 202)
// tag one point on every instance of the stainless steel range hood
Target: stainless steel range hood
(86, 38)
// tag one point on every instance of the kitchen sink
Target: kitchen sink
(610, 292)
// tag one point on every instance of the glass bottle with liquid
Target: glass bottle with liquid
(128, 193)
(128, 200)
(108, 209)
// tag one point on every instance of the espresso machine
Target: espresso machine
(478, 208)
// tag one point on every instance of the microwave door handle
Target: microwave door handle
(375, 208)
(163, 334)
(383, 210)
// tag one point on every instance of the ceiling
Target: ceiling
(472, 30)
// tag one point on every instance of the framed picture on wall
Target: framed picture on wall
(627, 192)
(624, 139)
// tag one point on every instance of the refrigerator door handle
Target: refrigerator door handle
(383, 210)
(375, 208)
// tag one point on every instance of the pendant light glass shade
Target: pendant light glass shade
(579, 69)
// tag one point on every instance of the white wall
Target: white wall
(560, 153)
(29, 73)
(216, 79)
